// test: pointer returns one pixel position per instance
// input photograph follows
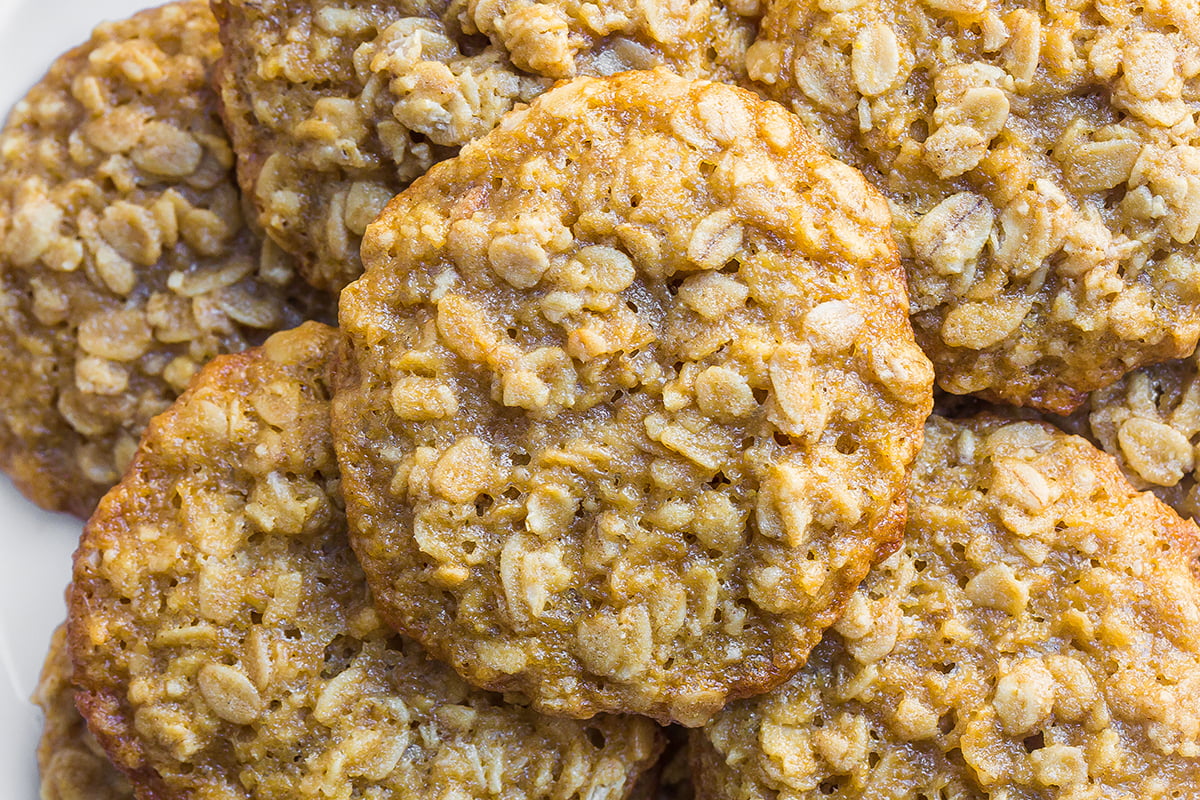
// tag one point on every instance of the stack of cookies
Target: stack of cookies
(620, 475)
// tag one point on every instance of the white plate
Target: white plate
(35, 547)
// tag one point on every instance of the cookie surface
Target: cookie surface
(1150, 422)
(634, 398)
(72, 764)
(125, 262)
(1043, 164)
(334, 107)
(1038, 636)
(224, 640)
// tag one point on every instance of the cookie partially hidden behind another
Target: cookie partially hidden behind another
(633, 399)
(1038, 636)
(335, 107)
(72, 764)
(125, 261)
(1043, 161)
(1150, 422)
(224, 638)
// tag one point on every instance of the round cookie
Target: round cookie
(125, 261)
(1042, 162)
(72, 764)
(633, 400)
(224, 640)
(334, 107)
(1038, 636)
(1150, 422)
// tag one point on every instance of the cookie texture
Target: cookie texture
(336, 106)
(1038, 636)
(632, 399)
(125, 261)
(1150, 421)
(225, 640)
(1042, 163)
(71, 762)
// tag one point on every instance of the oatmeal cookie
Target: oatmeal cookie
(336, 106)
(634, 399)
(1043, 162)
(1150, 421)
(125, 261)
(224, 639)
(1038, 636)
(73, 765)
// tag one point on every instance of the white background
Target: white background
(35, 547)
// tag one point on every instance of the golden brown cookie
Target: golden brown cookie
(1150, 422)
(125, 262)
(1043, 163)
(336, 106)
(224, 639)
(633, 401)
(1038, 636)
(72, 764)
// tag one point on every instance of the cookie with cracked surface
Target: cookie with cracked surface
(72, 764)
(1043, 162)
(1150, 422)
(634, 398)
(334, 107)
(125, 261)
(224, 639)
(1038, 636)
